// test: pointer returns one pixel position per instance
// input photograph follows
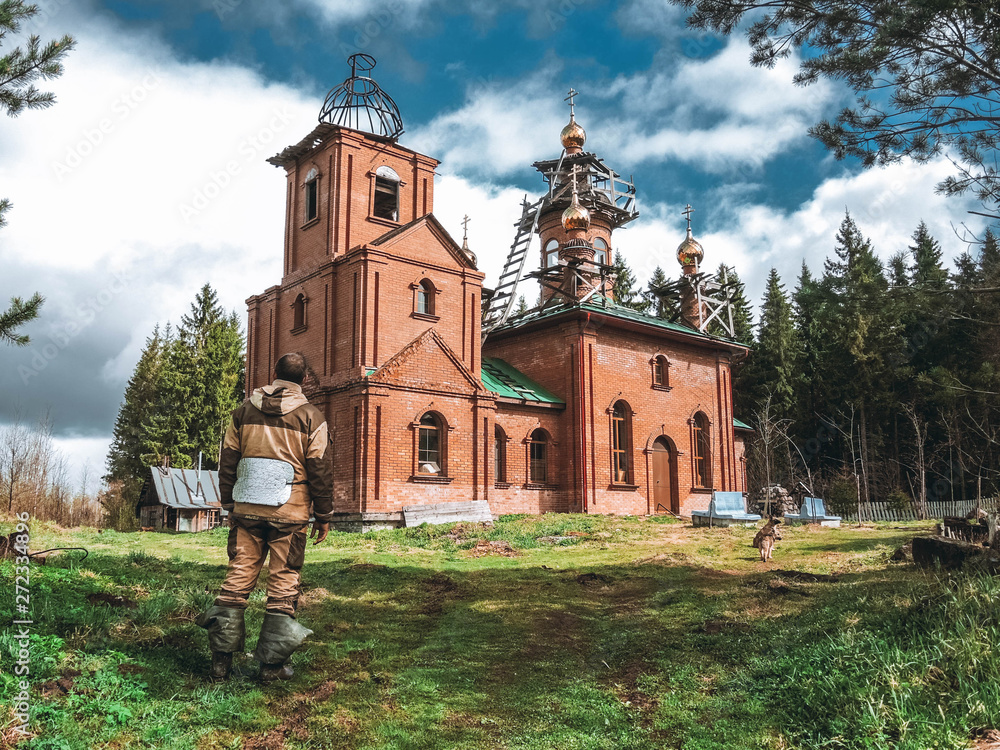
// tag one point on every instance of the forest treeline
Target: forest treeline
(188, 381)
(872, 381)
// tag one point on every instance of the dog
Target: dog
(766, 537)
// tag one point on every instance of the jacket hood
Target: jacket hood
(281, 397)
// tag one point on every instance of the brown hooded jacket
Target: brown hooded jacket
(278, 422)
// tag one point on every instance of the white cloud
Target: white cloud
(886, 204)
(144, 181)
(717, 113)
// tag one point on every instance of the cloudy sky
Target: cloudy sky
(147, 178)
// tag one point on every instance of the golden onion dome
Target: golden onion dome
(690, 252)
(573, 136)
(576, 216)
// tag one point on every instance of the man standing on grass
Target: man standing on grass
(274, 472)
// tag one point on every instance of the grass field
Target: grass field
(540, 632)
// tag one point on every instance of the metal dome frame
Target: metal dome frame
(360, 104)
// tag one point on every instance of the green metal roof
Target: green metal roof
(741, 425)
(604, 306)
(502, 379)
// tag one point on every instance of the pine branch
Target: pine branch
(20, 312)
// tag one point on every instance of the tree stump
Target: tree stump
(949, 553)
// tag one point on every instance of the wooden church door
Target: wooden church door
(665, 495)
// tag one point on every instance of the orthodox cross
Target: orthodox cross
(686, 213)
(465, 228)
(572, 93)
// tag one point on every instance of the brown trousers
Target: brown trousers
(250, 541)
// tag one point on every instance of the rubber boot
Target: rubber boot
(226, 635)
(280, 635)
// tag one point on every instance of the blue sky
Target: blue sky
(147, 178)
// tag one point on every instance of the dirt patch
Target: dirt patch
(439, 589)
(502, 548)
(54, 688)
(464, 530)
(714, 627)
(296, 713)
(124, 669)
(986, 739)
(625, 684)
(593, 579)
(111, 600)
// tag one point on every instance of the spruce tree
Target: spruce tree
(656, 305)
(863, 338)
(624, 288)
(210, 370)
(773, 366)
(742, 310)
(124, 461)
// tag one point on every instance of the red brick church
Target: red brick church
(434, 395)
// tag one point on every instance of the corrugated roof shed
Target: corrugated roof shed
(179, 488)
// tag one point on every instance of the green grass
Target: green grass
(599, 633)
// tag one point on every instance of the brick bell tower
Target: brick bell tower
(385, 305)
(587, 201)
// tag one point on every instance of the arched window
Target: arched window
(538, 457)
(385, 203)
(552, 254)
(425, 294)
(299, 312)
(600, 251)
(702, 450)
(621, 443)
(661, 372)
(429, 445)
(311, 195)
(499, 454)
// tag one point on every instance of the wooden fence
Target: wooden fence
(935, 509)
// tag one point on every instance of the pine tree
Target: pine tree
(624, 289)
(20, 69)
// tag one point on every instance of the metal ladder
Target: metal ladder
(502, 301)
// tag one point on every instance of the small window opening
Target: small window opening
(299, 312)
(312, 195)
(425, 297)
(429, 447)
(386, 201)
(538, 468)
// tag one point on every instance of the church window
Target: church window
(621, 443)
(386, 201)
(552, 254)
(661, 372)
(312, 195)
(425, 297)
(299, 312)
(499, 454)
(429, 445)
(702, 449)
(600, 251)
(538, 460)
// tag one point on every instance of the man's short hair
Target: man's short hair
(291, 367)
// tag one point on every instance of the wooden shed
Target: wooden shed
(180, 500)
